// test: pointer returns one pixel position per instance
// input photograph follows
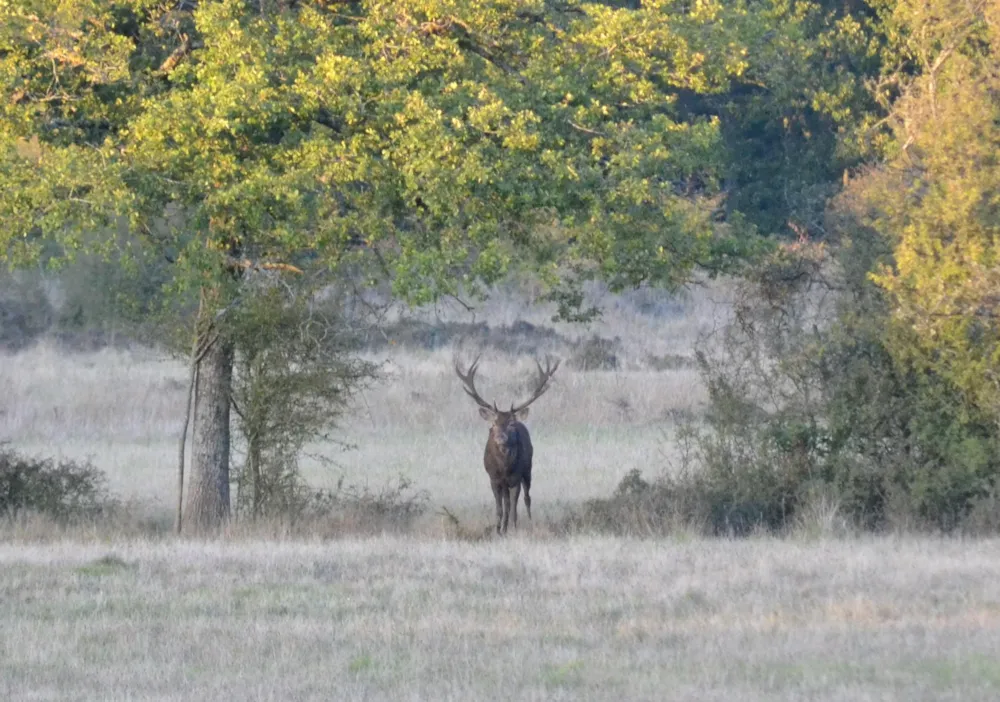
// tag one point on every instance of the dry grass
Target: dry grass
(521, 619)
(449, 613)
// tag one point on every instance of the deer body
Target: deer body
(508, 449)
(508, 463)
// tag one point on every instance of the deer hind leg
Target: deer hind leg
(527, 495)
(516, 490)
(505, 498)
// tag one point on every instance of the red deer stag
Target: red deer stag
(508, 448)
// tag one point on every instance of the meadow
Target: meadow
(583, 618)
(425, 615)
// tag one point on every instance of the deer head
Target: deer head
(502, 420)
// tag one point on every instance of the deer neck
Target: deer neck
(506, 451)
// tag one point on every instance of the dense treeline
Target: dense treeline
(842, 155)
(860, 374)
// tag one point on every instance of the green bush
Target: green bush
(814, 415)
(63, 490)
(808, 397)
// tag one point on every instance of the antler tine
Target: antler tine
(549, 368)
(542, 384)
(469, 382)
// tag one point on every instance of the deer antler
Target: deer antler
(542, 383)
(469, 384)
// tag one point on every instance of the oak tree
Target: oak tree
(434, 145)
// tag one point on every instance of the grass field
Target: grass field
(123, 410)
(435, 614)
(522, 619)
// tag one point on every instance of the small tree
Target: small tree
(295, 375)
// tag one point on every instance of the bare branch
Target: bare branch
(246, 264)
(585, 130)
(177, 55)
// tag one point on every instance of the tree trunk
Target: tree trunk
(208, 487)
(254, 457)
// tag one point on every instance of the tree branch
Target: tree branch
(585, 130)
(177, 55)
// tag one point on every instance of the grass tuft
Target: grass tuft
(105, 565)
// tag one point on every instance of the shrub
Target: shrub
(809, 396)
(346, 509)
(63, 490)
(294, 378)
(394, 507)
(637, 508)
(711, 505)
(595, 353)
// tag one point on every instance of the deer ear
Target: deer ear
(522, 414)
(487, 414)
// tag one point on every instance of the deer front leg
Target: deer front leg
(499, 500)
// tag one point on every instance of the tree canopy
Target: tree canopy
(432, 144)
(937, 196)
(437, 144)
